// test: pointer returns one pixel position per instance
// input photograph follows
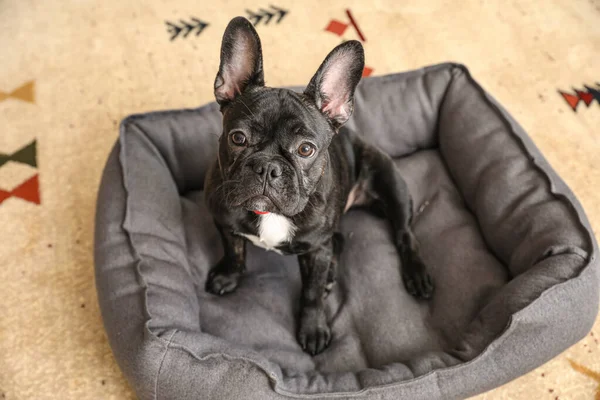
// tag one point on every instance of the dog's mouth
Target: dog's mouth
(260, 205)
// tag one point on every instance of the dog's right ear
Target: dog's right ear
(241, 61)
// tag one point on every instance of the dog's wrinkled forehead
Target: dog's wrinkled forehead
(270, 111)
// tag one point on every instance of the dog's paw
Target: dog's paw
(314, 334)
(221, 282)
(417, 281)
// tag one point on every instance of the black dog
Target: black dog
(284, 175)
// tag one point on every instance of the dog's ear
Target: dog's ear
(332, 87)
(241, 61)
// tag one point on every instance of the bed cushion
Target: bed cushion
(507, 243)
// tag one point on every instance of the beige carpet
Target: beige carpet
(71, 70)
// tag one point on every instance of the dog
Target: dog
(284, 175)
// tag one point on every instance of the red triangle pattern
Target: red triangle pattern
(571, 99)
(585, 96)
(336, 27)
(28, 190)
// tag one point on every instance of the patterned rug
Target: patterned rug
(70, 70)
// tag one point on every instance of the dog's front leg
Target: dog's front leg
(314, 333)
(224, 277)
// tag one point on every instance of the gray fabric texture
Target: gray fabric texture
(508, 245)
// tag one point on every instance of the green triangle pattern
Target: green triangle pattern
(26, 155)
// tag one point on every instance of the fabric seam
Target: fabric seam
(162, 360)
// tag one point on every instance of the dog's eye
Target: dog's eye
(238, 138)
(306, 150)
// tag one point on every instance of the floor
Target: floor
(71, 70)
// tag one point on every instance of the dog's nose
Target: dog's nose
(273, 171)
(258, 168)
(269, 170)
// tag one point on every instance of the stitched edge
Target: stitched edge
(162, 360)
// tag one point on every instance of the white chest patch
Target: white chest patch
(273, 230)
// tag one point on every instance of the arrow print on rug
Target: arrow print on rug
(185, 27)
(587, 97)
(266, 15)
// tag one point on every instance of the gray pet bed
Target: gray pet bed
(508, 245)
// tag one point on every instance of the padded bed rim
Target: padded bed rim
(586, 276)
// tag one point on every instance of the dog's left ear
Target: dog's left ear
(241, 61)
(332, 87)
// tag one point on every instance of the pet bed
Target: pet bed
(508, 245)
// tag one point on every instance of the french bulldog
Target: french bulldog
(285, 173)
